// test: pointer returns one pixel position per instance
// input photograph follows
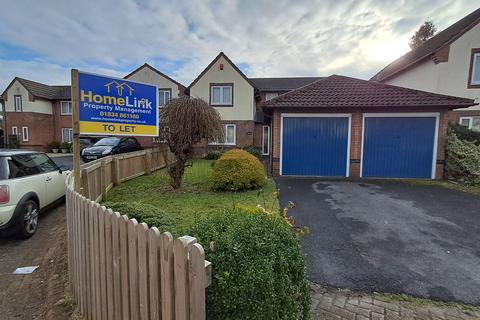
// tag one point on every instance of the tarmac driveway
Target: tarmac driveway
(390, 237)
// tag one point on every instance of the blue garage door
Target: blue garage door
(315, 146)
(398, 147)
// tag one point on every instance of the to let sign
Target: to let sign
(111, 106)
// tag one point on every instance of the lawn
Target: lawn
(195, 195)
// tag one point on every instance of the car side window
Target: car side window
(22, 166)
(16, 169)
(44, 163)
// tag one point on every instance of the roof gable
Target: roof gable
(41, 90)
(429, 47)
(181, 87)
(220, 55)
(340, 91)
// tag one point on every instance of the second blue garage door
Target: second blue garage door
(398, 147)
(316, 146)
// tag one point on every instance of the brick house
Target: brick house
(346, 127)
(448, 63)
(239, 99)
(38, 114)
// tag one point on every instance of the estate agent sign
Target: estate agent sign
(111, 106)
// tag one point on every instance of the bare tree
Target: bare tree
(425, 32)
(186, 121)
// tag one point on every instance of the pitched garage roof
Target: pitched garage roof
(282, 84)
(341, 91)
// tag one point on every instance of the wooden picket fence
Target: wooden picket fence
(121, 269)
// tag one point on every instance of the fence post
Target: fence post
(147, 156)
(116, 171)
(103, 179)
(85, 184)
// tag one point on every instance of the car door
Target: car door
(123, 146)
(54, 179)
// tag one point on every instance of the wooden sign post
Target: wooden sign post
(76, 130)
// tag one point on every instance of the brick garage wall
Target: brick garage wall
(356, 136)
(40, 129)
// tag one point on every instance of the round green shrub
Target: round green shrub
(258, 267)
(237, 170)
(143, 212)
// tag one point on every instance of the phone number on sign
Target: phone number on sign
(119, 115)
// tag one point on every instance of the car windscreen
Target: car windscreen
(110, 142)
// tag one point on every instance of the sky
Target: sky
(43, 40)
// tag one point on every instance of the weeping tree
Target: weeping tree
(186, 121)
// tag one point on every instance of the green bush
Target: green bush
(463, 133)
(462, 160)
(143, 212)
(258, 266)
(213, 155)
(254, 151)
(237, 170)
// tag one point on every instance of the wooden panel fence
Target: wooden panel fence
(121, 269)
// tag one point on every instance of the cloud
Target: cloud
(267, 38)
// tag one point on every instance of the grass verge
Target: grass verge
(195, 195)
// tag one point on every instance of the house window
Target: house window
(221, 94)
(164, 96)
(266, 140)
(474, 73)
(67, 135)
(66, 108)
(14, 131)
(18, 103)
(24, 134)
(230, 135)
(270, 95)
(472, 123)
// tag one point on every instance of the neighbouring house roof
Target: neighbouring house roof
(281, 84)
(41, 90)
(429, 47)
(181, 87)
(340, 91)
(221, 54)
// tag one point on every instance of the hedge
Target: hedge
(258, 266)
(462, 160)
(463, 133)
(237, 170)
(143, 212)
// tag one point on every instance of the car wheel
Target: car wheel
(28, 220)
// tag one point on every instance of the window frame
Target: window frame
(471, 73)
(61, 108)
(263, 140)
(169, 90)
(224, 142)
(70, 134)
(221, 85)
(15, 105)
(25, 134)
(470, 121)
(271, 92)
(15, 132)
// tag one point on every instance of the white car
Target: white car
(29, 183)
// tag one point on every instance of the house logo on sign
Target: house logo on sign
(120, 87)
